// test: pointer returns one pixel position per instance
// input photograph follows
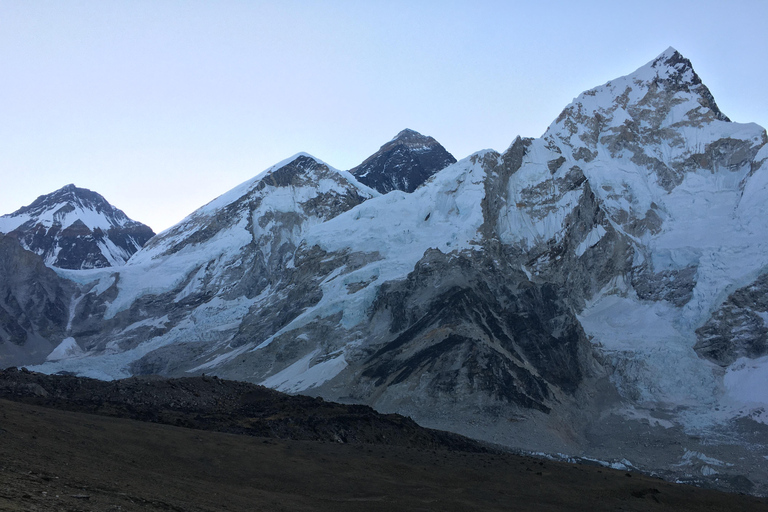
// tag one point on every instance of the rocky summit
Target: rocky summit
(596, 292)
(404, 163)
(75, 228)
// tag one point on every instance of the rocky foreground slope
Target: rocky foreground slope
(594, 292)
(210, 403)
(58, 460)
(245, 447)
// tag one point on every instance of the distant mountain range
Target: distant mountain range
(599, 291)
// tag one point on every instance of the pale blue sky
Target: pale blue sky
(161, 106)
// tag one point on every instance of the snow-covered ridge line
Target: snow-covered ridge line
(242, 198)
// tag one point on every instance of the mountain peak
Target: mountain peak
(300, 161)
(412, 139)
(300, 158)
(672, 65)
(675, 74)
(68, 195)
(657, 99)
(293, 171)
(403, 163)
(668, 53)
(408, 134)
(73, 196)
(76, 228)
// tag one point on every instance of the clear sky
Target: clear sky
(161, 106)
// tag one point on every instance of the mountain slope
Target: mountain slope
(404, 163)
(34, 306)
(76, 228)
(186, 293)
(120, 464)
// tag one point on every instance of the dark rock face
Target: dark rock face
(75, 228)
(404, 163)
(473, 324)
(34, 305)
(738, 327)
(675, 286)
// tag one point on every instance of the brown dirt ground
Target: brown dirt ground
(70, 461)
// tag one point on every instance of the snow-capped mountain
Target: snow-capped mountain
(76, 228)
(189, 292)
(404, 163)
(598, 291)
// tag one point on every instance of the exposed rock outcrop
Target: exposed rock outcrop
(34, 306)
